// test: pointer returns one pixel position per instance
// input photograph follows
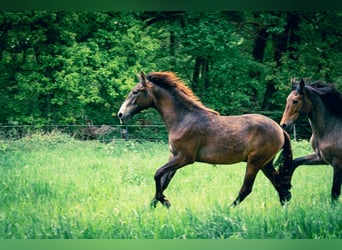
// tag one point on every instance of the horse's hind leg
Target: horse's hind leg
(337, 181)
(273, 176)
(247, 185)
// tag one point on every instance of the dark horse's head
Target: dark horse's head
(297, 105)
(138, 99)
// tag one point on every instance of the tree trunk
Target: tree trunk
(200, 75)
(260, 45)
(285, 42)
(270, 89)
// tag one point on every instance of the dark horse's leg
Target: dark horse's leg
(165, 180)
(163, 177)
(246, 189)
(337, 181)
(273, 176)
(312, 159)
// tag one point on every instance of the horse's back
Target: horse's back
(260, 130)
(231, 139)
(253, 125)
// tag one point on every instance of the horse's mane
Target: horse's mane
(328, 94)
(170, 81)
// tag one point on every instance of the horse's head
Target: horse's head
(138, 99)
(297, 105)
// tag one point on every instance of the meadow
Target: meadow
(55, 187)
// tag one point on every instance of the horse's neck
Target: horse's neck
(169, 116)
(320, 119)
(173, 111)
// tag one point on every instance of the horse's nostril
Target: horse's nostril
(284, 126)
(120, 115)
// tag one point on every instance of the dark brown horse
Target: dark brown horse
(197, 133)
(323, 105)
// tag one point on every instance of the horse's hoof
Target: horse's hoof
(153, 203)
(167, 204)
(286, 198)
(235, 203)
(231, 206)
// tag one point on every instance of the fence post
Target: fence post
(294, 132)
(124, 132)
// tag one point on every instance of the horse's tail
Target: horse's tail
(284, 163)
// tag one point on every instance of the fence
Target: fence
(103, 133)
(107, 133)
(300, 131)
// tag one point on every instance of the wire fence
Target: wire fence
(103, 133)
(300, 132)
(108, 133)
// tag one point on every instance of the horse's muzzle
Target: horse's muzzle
(122, 117)
(287, 125)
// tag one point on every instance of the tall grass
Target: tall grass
(52, 186)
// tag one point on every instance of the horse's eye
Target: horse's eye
(135, 92)
(295, 101)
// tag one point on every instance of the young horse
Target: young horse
(197, 133)
(322, 104)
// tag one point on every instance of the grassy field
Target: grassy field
(52, 186)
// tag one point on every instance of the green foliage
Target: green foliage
(55, 187)
(77, 67)
(67, 67)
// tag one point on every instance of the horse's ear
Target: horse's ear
(301, 86)
(293, 83)
(142, 78)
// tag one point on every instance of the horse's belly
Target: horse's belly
(220, 156)
(330, 149)
(331, 154)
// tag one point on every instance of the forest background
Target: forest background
(68, 67)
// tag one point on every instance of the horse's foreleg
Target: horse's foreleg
(165, 180)
(312, 159)
(337, 181)
(163, 177)
(247, 185)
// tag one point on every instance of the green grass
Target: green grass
(52, 186)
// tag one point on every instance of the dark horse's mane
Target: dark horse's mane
(170, 81)
(329, 95)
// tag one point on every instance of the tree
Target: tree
(63, 67)
(67, 67)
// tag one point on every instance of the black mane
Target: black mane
(329, 95)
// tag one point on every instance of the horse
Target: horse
(321, 103)
(198, 133)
